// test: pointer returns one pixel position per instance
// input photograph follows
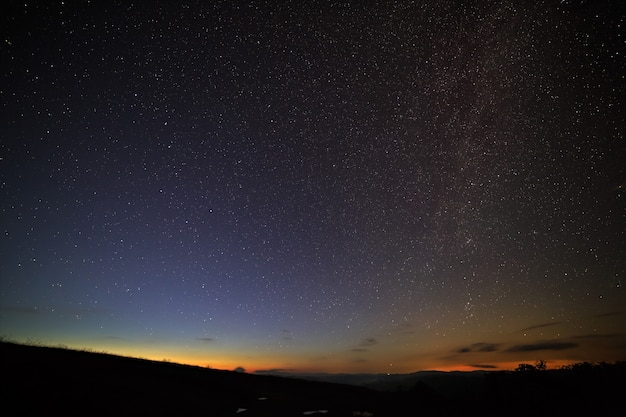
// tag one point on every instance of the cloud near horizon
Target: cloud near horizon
(532, 347)
(482, 366)
(540, 326)
(365, 344)
(479, 347)
(370, 341)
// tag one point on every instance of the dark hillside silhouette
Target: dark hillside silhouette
(41, 381)
(597, 389)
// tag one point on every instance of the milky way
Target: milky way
(316, 185)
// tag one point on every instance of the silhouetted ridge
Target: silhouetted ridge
(41, 381)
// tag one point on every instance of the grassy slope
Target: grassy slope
(44, 381)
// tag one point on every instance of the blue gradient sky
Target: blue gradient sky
(320, 186)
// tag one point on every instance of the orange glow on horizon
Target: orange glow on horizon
(299, 362)
(230, 365)
(501, 366)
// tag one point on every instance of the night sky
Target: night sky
(316, 186)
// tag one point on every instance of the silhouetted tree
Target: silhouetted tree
(525, 367)
(540, 365)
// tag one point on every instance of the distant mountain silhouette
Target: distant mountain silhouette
(390, 382)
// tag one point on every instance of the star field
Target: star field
(322, 186)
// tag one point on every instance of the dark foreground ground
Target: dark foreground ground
(44, 381)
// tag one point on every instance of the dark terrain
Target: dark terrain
(43, 381)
